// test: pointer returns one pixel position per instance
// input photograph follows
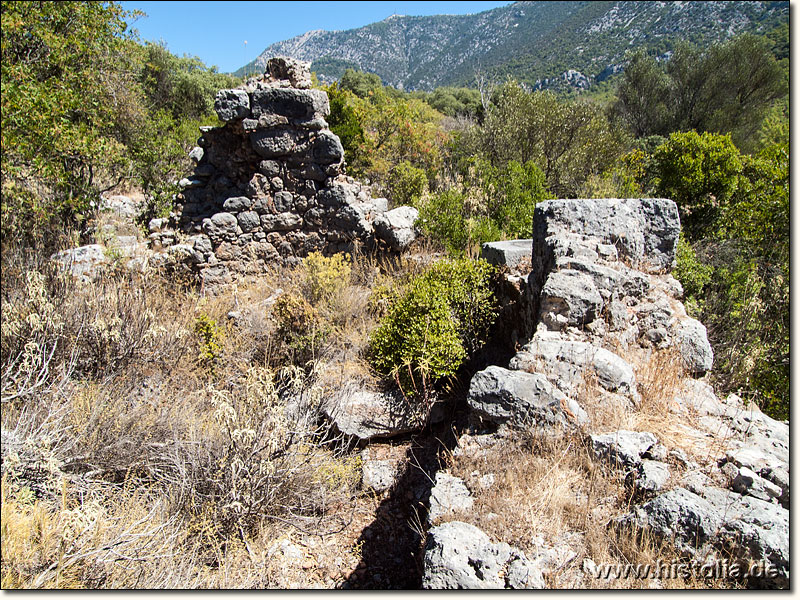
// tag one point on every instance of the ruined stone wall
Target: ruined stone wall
(269, 186)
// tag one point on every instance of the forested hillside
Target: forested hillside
(564, 45)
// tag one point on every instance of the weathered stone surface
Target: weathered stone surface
(297, 72)
(499, 395)
(461, 556)
(378, 475)
(248, 221)
(448, 494)
(694, 346)
(367, 415)
(221, 227)
(397, 227)
(677, 515)
(566, 363)
(231, 105)
(237, 204)
(622, 448)
(273, 143)
(643, 230)
(327, 148)
(291, 103)
(281, 222)
(514, 254)
(569, 298)
(84, 262)
(650, 476)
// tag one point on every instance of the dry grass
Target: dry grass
(139, 453)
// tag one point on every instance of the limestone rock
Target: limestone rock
(84, 262)
(694, 346)
(397, 227)
(500, 396)
(231, 105)
(447, 495)
(622, 448)
(367, 415)
(461, 556)
(515, 254)
(569, 298)
(643, 230)
(378, 475)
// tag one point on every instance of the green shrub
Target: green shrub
(693, 275)
(326, 276)
(701, 173)
(210, 339)
(406, 184)
(441, 320)
(442, 217)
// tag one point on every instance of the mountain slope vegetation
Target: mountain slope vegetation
(530, 41)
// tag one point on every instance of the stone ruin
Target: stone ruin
(269, 186)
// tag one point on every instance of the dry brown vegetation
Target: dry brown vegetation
(157, 437)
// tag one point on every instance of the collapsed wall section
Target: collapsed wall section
(269, 186)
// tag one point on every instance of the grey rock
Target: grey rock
(643, 230)
(378, 475)
(121, 206)
(677, 515)
(221, 226)
(650, 476)
(566, 362)
(500, 396)
(281, 222)
(448, 494)
(196, 154)
(461, 556)
(327, 148)
(297, 72)
(284, 201)
(191, 183)
(156, 225)
(248, 221)
(747, 482)
(304, 105)
(85, 262)
(269, 168)
(569, 298)
(237, 204)
(622, 448)
(397, 227)
(512, 253)
(692, 341)
(231, 105)
(273, 143)
(367, 415)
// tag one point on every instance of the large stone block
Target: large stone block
(231, 105)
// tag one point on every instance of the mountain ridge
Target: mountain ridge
(537, 42)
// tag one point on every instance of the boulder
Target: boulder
(695, 349)
(499, 395)
(622, 448)
(367, 415)
(231, 105)
(569, 298)
(302, 105)
(447, 495)
(84, 262)
(397, 227)
(514, 254)
(461, 556)
(678, 515)
(273, 143)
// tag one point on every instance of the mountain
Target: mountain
(545, 44)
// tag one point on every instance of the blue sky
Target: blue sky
(216, 31)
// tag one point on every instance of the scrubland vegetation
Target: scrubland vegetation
(145, 441)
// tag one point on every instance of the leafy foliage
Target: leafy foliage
(441, 320)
